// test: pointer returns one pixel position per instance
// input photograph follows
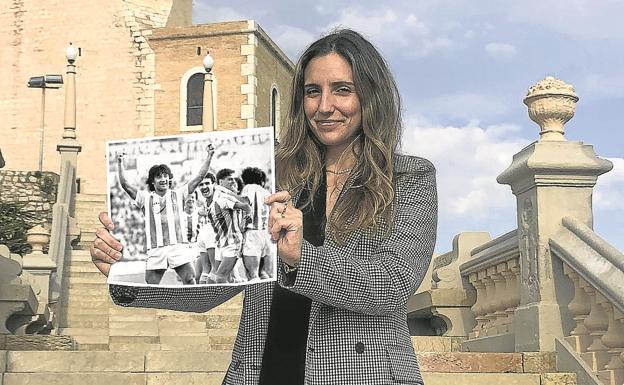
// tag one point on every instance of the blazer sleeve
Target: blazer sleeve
(376, 280)
(188, 299)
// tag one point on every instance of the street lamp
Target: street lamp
(44, 82)
(207, 112)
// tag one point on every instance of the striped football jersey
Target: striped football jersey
(255, 194)
(163, 222)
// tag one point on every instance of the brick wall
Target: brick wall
(176, 52)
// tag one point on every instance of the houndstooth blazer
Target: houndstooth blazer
(358, 332)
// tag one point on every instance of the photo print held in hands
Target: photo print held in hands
(189, 209)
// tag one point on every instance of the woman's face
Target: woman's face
(331, 104)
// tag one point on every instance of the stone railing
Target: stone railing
(64, 232)
(494, 271)
(597, 271)
(444, 307)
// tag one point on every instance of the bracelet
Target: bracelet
(289, 269)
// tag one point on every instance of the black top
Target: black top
(285, 349)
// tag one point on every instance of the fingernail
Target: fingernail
(117, 255)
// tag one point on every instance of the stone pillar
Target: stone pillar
(551, 178)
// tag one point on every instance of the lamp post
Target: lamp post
(69, 146)
(207, 112)
(44, 82)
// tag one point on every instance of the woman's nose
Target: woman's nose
(326, 104)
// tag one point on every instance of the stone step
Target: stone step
(80, 255)
(99, 290)
(214, 378)
(84, 277)
(170, 367)
(94, 347)
(77, 361)
(460, 362)
(88, 301)
(434, 378)
(82, 197)
(88, 332)
(437, 343)
(82, 267)
(87, 324)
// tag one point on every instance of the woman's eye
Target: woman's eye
(344, 90)
(311, 91)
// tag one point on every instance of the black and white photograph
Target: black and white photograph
(189, 209)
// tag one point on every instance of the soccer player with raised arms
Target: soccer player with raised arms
(165, 224)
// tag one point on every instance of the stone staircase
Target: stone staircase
(440, 361)
(117, 345)
(88, 207)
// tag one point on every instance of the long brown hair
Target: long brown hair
(367, 201)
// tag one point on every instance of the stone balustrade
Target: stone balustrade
(598, 336)
(444, 307)
(596, 271)
(494, 272)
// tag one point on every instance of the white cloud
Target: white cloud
(602, 86)
(500, 50)
(462, 105)
(579, 18)
(468, 160)
(609, 190)
(204, 13)
(292, 40)
(389, 28)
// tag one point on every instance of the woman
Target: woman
(355, 228)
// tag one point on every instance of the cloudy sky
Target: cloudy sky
(463, 71)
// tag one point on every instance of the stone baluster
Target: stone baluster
(508, 297)
(613, 339)
(490, 299)
(579, 306)
(477, 308)
(500, 299)
(596, 322)
(514, 293)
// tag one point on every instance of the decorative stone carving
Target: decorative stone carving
(38, 237)
(528, 247)
(551, 103)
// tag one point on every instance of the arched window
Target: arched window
(275, 110)
(195, 100)
(192, 99)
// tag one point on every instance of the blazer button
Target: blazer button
(359, 348)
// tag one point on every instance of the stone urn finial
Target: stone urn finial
(551, 103)
(38, 237)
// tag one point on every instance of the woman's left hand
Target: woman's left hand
(286, 227)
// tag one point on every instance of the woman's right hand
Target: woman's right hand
(105, 250)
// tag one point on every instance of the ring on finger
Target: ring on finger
(283, 213)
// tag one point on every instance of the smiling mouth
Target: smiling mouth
(327, 123)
